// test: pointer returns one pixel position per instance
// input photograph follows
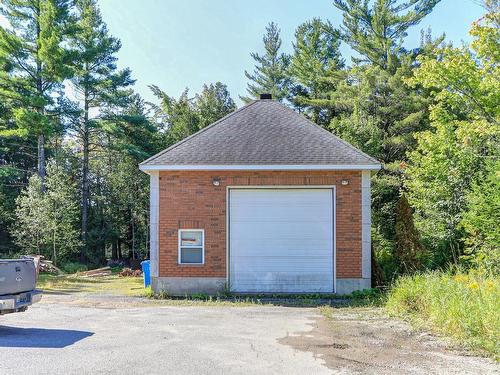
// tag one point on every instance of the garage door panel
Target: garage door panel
(281, 240)
(283, 233)
(249, 214)
(283, 253)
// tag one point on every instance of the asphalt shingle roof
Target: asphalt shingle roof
(264, 132)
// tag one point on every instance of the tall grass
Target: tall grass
(464, 306)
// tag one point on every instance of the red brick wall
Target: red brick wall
(189, 200)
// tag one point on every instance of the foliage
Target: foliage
(46, 222)
(270, 72)
(376, 30)
(34, 63)
(464, 135)
(314, 68)
(74, 267)
(213, 103)
(463, 305)
(481, 220)
(368, 104)
(99, 87)
(179, 118)
(30, 230)
(410, 253)
(377, 113)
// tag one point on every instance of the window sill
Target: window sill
(190, 264)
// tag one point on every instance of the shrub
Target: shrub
(463, 306)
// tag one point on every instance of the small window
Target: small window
(191, 246)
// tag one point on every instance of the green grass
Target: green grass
(463, 306)
(133, 287)
(129, 287)
(67, 284)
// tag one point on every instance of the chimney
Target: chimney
(266, 96)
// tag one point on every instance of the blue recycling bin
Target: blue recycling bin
(146, 272)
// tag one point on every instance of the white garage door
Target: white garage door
(281, 240)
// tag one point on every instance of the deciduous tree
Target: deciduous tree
(465, 134)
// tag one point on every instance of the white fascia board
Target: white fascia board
(258, 167)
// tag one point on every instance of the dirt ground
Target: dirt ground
(366, 341)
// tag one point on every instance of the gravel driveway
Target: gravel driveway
(65, 335)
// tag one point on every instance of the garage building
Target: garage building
(261, 201)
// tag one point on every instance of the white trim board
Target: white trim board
(366, 251)
(266, 167)
(154, 219)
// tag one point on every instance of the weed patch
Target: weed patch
(464, 306)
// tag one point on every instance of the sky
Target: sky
(176, 44)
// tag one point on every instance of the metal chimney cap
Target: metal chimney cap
(266, 96)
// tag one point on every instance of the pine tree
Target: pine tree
(36, 64)
(98, 84)
(315, 68)
(375, 109)
(270, 72)
(376, 30)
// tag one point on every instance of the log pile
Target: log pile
(43, 265)
(98, 272)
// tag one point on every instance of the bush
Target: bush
(463, 306)
(74, 267)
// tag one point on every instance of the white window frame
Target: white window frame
(179, 235)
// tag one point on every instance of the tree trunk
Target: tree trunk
(119, 249)
(377, 274)
(40, 109)
(114, 250)
(133, 235)
(41, 160)
(54, 253)
(85, 178)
